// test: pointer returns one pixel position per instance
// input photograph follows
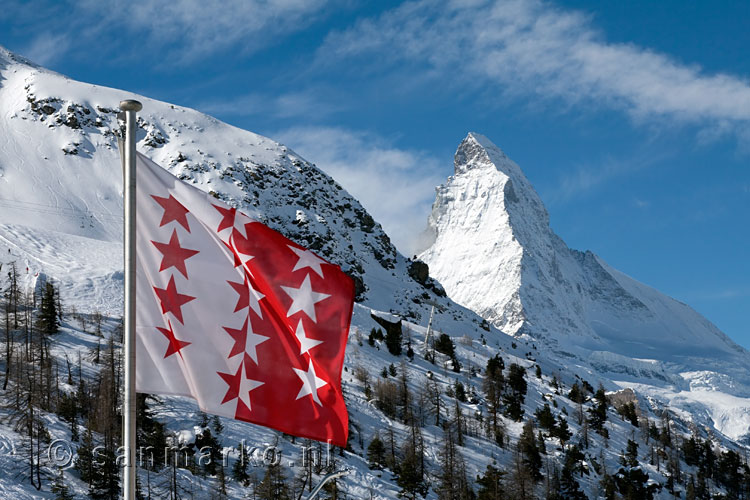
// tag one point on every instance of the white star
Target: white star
(238, 224)
(305, 342)
(307, 259)
(251, 342)
(244, 257)
(247, 385)
(310, 383)
(304, 298)
(254, 300)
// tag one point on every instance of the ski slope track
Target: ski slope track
(513, 287)
(493, 250)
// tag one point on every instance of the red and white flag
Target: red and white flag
(235, 315)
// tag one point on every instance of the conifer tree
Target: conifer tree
(274, 484)
(491, 484)
(598, 414)
(105, 482)
(376, 453)
(151, 434)
(84, 463)
(60, 489)
(527, 447)
(569, 487)
(49, 322)
(393, 339)
(239, 469)
(545, 418)
(515, 392)
(577, 395)
(494, 385)
(562, 431)
(410, 476)
(453, 483)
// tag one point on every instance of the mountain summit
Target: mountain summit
(494, 252)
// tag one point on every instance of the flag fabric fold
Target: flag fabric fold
(235, 315)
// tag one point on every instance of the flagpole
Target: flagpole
(130, 107)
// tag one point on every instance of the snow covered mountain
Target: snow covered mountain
(60, 175)
(493, 250)
(564, 316)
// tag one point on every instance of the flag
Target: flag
(233, 314)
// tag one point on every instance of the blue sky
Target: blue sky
(631, 119)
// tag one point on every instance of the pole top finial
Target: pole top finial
(130, 105)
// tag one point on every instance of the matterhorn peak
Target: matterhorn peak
(494, 252)
(477, 151)
(489, 199)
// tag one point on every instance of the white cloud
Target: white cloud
(534, 49)
(308, 103)
(200, 27)
(171, 32)
(397, 186)
(46, 48)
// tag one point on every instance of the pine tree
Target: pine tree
(632, 484)
(460, 391)
(393, 339)
(598, 414)
(629, 458)
(239, 469)
(515, 392)
(527, 447)
(545, 418)
(494, 385)
(274, 484)
(84, 463)
(151, 434)
(690, 451)
(60, 489)
(608, 487)
(491, 484)
(376, 453)
(577, 395)
(410, 476)
(445, 345)
(562, 431)
(453, 483)
(209, 451)
(49, 322)
(105, 482)
(218, 454)
(569, 487)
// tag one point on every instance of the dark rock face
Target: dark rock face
(389, 326)
(419, 271)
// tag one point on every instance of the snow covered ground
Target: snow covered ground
(567, 312)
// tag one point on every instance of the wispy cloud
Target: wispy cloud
(171, 32)
(534, 49)
(308, 103)
(47, 48)
(587, 178)
(397, 186)
(193, 28)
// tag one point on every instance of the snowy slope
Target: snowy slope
(60, 172)
(494, 252)
(60, 206)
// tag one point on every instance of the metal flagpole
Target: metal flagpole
(130, 107)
